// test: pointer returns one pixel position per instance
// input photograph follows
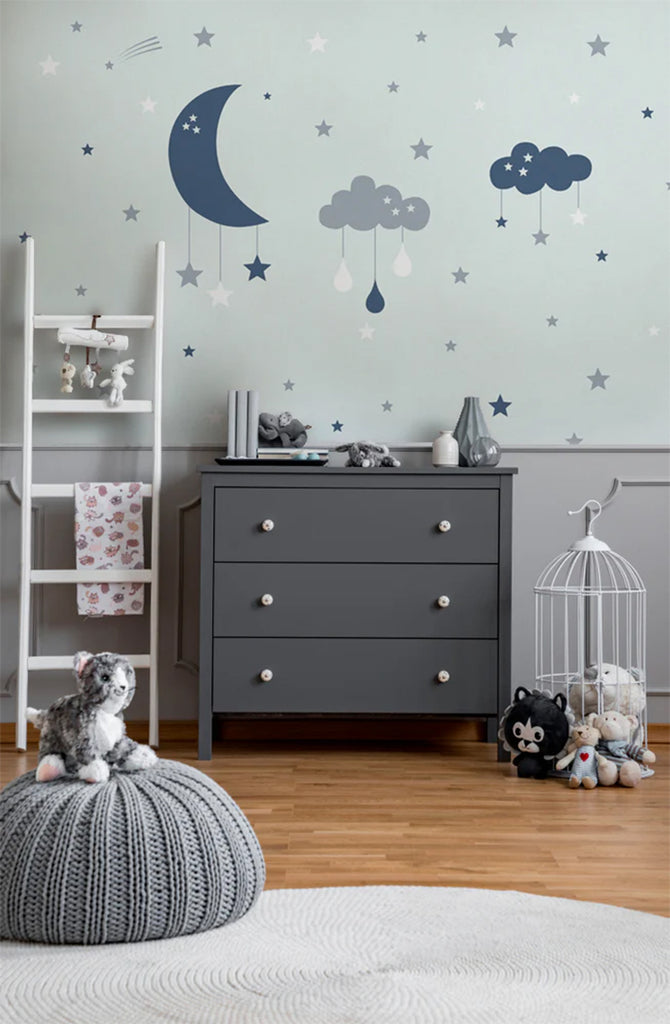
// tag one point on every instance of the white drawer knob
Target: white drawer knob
(267, 525)
(443, 676)
(443, 601)
(266, 675)
(267, 600)
(444, 526)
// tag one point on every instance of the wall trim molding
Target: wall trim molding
(400, 446)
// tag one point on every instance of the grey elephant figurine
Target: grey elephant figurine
(282, 431)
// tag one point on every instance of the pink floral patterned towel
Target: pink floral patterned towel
(108, 535)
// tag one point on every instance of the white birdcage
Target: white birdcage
(590, 628)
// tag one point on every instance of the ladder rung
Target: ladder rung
(47, 661)
(107, 322)
(90, 576)
(90, 405)
(67, 491)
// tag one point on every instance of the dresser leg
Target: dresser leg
(205, 737)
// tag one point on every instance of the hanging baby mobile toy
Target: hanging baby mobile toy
(200, 181)
(365, 207)
(93, 340)
(528, 169)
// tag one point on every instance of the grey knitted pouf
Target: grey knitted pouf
(147, 855)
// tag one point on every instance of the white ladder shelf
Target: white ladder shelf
(30, 490)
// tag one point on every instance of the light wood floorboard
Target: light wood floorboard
(381, 813)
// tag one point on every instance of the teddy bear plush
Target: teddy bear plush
(536, 727)
(67, 372)
(616, 743)
(588, 766)
(282, 431)
(82, 735)
(367, 454)
(619, 691)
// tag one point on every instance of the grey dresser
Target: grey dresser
(354, 592)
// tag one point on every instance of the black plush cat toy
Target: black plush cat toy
(537, 728)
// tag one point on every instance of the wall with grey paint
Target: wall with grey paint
(554, 298)
(636, 524)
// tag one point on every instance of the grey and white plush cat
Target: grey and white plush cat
(83, 734)
(367, 454)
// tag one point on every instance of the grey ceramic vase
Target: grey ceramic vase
(470, 427)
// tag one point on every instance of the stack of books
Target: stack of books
(242, 424)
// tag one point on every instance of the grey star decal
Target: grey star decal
(131, 213)
(203, 37)
(460, 275)
(598, 379)
(421, 149)
(189, 275)
(552, 321)
(393, 87)
(81, 290)
(323, 128)
(387, 406)
(505, 37)
(450, 345)
(421, 37)
(574, 440)
(109, 65)
(540, 237)
(76, 26)
(598, 46)
(289, 384)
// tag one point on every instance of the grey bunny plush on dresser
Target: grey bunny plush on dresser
(84, 734)
(367, 454)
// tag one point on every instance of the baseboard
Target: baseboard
(327, 729)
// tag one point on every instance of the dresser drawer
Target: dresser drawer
(355, 600)
(355, 524)
(355, 676)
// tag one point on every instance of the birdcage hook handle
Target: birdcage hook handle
(590, 504)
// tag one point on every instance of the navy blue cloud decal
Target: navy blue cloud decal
(528, 169)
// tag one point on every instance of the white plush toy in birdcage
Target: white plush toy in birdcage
(590, 628)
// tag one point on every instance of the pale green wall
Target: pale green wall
(295, 325)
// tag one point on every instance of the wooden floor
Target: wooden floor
(381, 813)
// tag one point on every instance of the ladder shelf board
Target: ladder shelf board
(90, 405)
(67, 491)
(90, 575)
(43, 662)
(105, 322)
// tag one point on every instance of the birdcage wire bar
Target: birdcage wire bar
(590, 612)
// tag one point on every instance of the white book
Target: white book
(252, 424)
(232, 416)
(241, 426)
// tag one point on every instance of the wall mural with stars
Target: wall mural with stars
(413, 132)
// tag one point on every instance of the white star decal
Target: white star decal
(574, 98)
(527, 157)
(196, 130)
(219, 295)
(654, 332)
(318, 44)
(49, 65)
(186, 126)
(366, 332)
(578, 217)
(193, 117)
(148, 105)
(523, 171)
(387, 200)
(508, 167)
(479, 104)
(411, 207)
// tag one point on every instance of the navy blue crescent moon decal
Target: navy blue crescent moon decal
(194, 162)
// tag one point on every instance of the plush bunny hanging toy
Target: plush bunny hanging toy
(83, 735)
(117, 381)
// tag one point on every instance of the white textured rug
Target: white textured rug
(370, 955)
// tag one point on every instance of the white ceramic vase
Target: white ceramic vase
(445, 449)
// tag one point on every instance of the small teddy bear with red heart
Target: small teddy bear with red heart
(588, 766)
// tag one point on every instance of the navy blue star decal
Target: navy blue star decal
(602, 256)
(500, 406)
(188, 351)
(647, 113)
(501, 222)
(257, 269)
(337, 426)
(23, 237)
(87, 149)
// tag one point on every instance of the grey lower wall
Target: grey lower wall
(637, 524)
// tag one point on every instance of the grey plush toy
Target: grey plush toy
(367, 454)
(84, 734)
(282, 431)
